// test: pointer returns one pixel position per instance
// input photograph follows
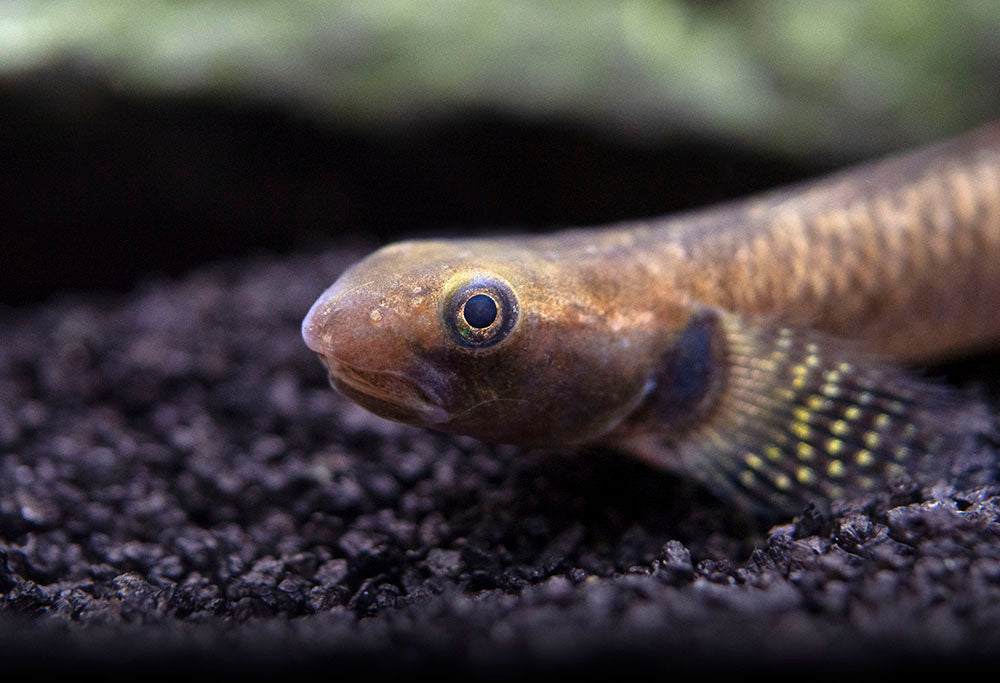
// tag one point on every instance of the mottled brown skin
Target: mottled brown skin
(903, 255)
(645, 334)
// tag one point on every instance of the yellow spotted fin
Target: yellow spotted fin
(776, 416)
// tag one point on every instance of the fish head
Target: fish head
(488, 338)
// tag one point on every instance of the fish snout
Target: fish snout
(364, 344)
(342, 321)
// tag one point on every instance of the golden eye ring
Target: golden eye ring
(482, 313)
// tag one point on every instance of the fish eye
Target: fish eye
(482, 313)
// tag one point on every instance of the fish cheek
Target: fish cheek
(604, 382)
(573, 388)
(543, 388)
(470, 388)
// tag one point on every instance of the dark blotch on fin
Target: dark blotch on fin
(778, 417)
(688, 370)
(683, 387)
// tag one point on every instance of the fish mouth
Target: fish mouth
(388, 395)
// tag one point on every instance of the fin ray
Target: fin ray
(799, 416)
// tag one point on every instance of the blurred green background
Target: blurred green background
(149, 136)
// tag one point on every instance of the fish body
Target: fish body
(755, 345)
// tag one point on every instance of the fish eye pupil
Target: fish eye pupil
(480, 311)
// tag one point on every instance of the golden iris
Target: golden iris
(481, 313)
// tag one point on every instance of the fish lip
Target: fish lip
(362, 386)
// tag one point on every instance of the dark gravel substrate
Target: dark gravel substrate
(179, 487)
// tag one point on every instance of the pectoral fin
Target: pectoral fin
(778, 416)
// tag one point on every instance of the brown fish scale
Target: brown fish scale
(885, 254)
